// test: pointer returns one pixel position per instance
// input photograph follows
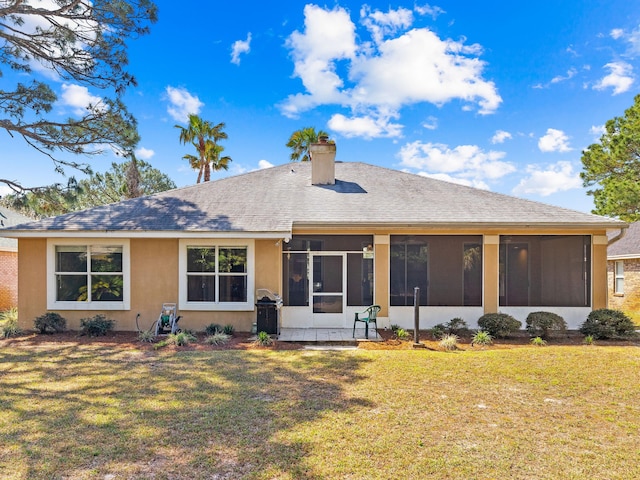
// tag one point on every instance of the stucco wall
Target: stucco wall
(32, 280)
(629, 301)
(8, 279)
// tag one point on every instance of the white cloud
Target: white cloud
(144, 153)
(382, 24)
(554, 141)
(597, 130)
(465, 164)
(5, 190)
(427, 9)
(262, 164)
(558, 177)
(570, 74)
(616, 33)
(239, 47)
(182, 103)
(500, 137)
(79, 98)
(380, 78)
(620, 78)
(365, 126)
(431, 123)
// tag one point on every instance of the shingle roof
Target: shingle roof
(274, 200)
(627, 246)
(10, 218)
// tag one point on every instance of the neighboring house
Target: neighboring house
(9, 260)
(623, 270)
(329, 237)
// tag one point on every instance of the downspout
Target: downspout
(623, 232)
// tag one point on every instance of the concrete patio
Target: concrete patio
(327, 335)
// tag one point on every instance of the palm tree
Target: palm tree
(204, 136)
(300, 141)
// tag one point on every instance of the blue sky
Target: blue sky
(499, 95)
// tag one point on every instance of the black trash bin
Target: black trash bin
(267, 316)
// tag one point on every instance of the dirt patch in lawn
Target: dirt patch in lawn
(245, 341)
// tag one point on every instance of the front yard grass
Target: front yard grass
(91, 412)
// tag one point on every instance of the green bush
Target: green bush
(9, 323)
(481, 338)
(499, 325)
(264, 339)
(50, 322)
(402, 334)
(607, 323)
(96, 326)
(213, 328)
(455, 326)
(438, 331)
(544, 324)
(538, 342)
(228, 330)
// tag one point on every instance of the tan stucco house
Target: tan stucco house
(9, 260)
(329, 237)
(623, 270)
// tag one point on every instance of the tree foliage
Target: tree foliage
(80, 41)
(98, 189)
(612, 167)
(300, 141)
(205, 136)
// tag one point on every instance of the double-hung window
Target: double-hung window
(88, 276)
(618, 283)
(216, 276)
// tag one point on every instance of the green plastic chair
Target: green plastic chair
(369, 315)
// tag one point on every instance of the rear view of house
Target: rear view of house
(330, 237)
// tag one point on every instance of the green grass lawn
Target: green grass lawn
(87, 411)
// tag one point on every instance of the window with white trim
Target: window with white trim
(618, 282)
(216, 276)
(88, 276)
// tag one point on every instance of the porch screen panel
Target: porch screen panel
(359, 280)
(296, 281)
(545, 270)
(408, 265)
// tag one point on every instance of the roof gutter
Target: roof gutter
(623, 232)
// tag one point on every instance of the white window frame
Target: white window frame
(54, 304)
(184, 304)
(618, 275)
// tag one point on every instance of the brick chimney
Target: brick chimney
(323, 162)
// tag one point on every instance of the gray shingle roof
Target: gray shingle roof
(280, 198)
(629, 245)
(9, 218)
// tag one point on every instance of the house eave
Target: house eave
(144, 234)
(455, 225)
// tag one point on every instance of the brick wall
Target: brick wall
(8, 280)
(629, 302)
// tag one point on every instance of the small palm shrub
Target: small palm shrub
(50, 322)
(264, 339)
(589, 340)
(228, 330)
(544, 324)
(219, 338)
(97, 325)
(607, 323)
(538, 342)
(395, 328)
(9, 323)
(481, 338)
(449, 341)
(499, 325)
(402, 334)
(146, 336)
(213, 328)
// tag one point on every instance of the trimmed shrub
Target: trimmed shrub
(544, 324)
(97, 325)
(228, 330)
(499, 325)
(50, 322)
(481, 338)
(607, 323)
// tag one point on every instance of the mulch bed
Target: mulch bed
(243, 341)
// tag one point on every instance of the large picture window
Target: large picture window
(446, 268)
(216, 276)
(545, 270)
(88, 275)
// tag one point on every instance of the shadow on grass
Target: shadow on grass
(77, 411)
